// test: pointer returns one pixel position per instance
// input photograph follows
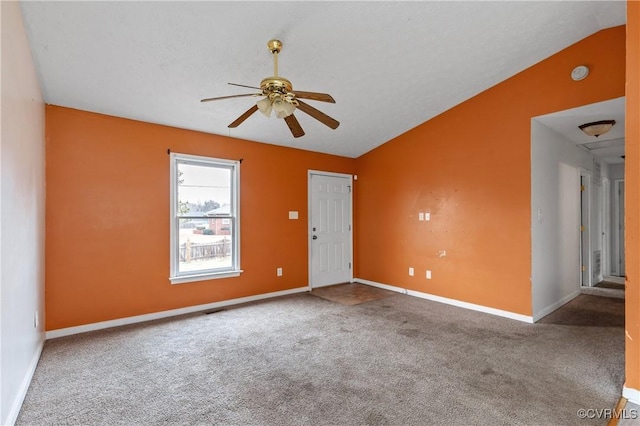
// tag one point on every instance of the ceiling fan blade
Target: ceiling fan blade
(243, 117)
(229, 97)
(294, 126)
(318, 115)
(322, 97)
(244, 85)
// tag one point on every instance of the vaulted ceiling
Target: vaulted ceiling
(389, 65)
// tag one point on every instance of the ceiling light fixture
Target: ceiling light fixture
(276, 103)
(282, 107)
(597, 128)
(264, 105)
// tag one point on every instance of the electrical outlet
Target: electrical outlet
(36, 319)
(279, 272)
(420, 216)
(410, 272)
(428, 275)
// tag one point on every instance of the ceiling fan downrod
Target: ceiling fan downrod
(275, 46)
(275, 84)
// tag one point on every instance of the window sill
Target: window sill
(204, 277)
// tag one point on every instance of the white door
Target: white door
(330, 239)
(621, 267)
(606, 227)
(617, 246)
(585, 249)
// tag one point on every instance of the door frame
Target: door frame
(311, 172)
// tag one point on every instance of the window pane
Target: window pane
(204, 227)
(205, 244)
(203, 189)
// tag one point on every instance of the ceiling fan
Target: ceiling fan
(281, 99)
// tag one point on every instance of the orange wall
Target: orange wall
(470, 167)
(107, 222)
(107, 238)
(632, 198)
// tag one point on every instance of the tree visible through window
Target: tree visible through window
(204, 224)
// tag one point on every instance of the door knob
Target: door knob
(315, 237)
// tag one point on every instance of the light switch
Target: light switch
(293, 215)
(427, 216)
(410, 272)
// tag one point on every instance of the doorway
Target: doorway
(330, 228)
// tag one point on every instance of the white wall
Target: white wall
(616, 171)
(22, 204)
(555, 181)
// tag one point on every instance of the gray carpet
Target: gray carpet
(589, 311)
(303, 360)
(609, 284)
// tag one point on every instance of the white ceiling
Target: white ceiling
(608, 147)
(389, 65)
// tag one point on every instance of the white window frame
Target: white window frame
(175, 276)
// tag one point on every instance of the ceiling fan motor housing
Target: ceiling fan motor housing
(278, 88)
(275, 84)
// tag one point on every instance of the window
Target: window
(204, 218)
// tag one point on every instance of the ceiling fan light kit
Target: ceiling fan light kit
(264, 106)
(280, 98)
(597, 128)
(282, 106)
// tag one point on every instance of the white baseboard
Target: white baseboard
(632, 395)
(24, 387)
(546, 311)
(453, 302)
(52, 334)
